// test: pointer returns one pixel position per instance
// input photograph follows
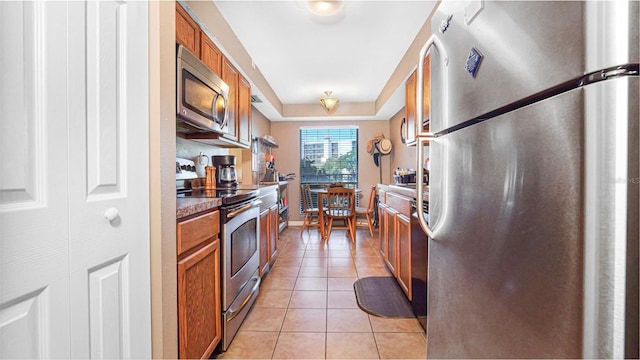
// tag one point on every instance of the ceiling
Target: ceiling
(353, 53)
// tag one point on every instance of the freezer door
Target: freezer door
(526, 47)
(506, 258)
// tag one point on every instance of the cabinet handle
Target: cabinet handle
(235, 312)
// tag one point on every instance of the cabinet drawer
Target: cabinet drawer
(194, 231)
(400, 203)
(382, 196)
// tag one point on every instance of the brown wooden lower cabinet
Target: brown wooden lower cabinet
(391, 248)
(269, 234)
(199, 306)
(274, 233)
(264, 241)
(395, 237)
(382, 228)
(403, 234)
(387, 236)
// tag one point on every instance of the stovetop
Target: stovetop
(228, 196)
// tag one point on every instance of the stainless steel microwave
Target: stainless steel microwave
(202, 97)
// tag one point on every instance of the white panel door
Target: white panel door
(108, 177)
(74, 151)
(34, 221)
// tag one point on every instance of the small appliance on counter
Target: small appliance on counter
(185, 172)
(225, 171)
(405, 176)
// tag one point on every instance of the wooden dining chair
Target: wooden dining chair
(341, 205)
(310, 213)
(368, 211)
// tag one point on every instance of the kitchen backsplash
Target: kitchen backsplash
(189, 149)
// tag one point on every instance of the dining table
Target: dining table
(322, 194)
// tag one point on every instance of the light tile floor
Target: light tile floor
(307, 307)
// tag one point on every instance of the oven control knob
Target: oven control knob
(111, 214)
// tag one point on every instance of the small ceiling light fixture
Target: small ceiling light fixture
(328, 102)
(325, 7)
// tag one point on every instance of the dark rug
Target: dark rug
(382, 296)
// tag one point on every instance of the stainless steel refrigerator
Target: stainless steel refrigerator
(533, 193)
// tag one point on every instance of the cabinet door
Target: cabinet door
(273, 232)
(391, 245)
(244, 111)
(264, 241)
(187, 31)
(410, 110)
(403, 236)
(199, 309)
(230, 77)
(210, 54)
(426, 83)
(382, 230)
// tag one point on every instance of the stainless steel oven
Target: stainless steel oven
(240, 262)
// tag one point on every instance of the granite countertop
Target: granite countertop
(186, 206)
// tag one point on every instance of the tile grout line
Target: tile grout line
(373, 334)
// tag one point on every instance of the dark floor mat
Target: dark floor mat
(382, 296)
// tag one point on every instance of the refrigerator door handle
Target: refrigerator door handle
(433, 41)
(421, 136)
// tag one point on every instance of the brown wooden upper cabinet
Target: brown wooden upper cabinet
(410, 110)
(230, 77)
(244, 111)
(411, 128)
(187, 31)
(426, 117)
(189, 34)
(210, 54)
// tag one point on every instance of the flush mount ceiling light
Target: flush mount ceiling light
(325, 7)
(328, 102)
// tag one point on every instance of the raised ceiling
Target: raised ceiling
(354, 54)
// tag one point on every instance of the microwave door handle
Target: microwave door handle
(214, 113)
(421, 136)
(225, 118)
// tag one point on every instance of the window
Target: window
(328, 155)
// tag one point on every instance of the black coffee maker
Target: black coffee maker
(225, 171)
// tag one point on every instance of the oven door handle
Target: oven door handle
(242, 209)
(235, 312)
